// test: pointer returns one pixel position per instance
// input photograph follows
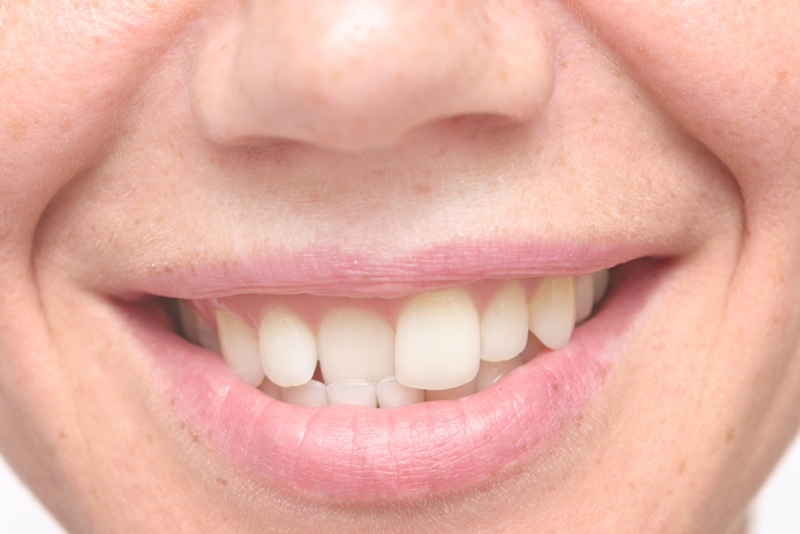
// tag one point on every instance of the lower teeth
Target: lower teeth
(439, 349)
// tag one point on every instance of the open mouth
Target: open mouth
(371, 399)
(386, 353)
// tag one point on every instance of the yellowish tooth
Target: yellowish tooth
(600, 279)
(354, 392)
(239, 348)
(207, 336)
(451, 394)
(288, 348)
(552, 311)
(392, 393)
(491, 372)
(504, 327)
(188, 321)
(584, 294)
(438, 341)
(269, 388)
(312, 393)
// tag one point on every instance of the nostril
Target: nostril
(359, 74)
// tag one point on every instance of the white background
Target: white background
(777, 510)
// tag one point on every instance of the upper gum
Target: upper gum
(312, 308)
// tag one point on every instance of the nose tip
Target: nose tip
(359, 74)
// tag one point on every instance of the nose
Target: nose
(356, 75)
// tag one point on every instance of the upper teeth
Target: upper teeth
(439, 344)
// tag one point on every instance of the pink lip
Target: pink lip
(360, 455)
(330, 271)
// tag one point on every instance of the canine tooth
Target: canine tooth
(438, 341)
(355, 345)
(392, 393)
(584, 295)
(504, 328)
(288, 348)
(600, 279)
(552, 311)
(312, 393)
(188, 321)
(357, 392)
(491, 372)
(239, 348)
(271, 389)
(207, 336)
(451, 394)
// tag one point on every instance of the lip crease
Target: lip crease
(353, 454)
(328, 270)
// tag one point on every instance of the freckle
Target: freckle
(18, 127)
(168, 269)
(64, 126)
(595, 120)
(222, 482)
(682, 467)
(783, 77)
(730, 434)
(422, 189)
(564, 64)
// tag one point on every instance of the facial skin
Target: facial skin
(143, 144)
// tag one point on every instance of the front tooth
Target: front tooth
(552, 311)
(239, 348)
(288, 348)
(584, 295)
(356, 392)
(438, 341)
(312, 393)
(207, 336)
(491, 372)
(355, 345)
(504, 328)
(600, 279)
(392, 393)
(451, 394)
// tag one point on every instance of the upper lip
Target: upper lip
(328, 270)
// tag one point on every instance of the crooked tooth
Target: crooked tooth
(239, 348)
(312, 393)
(504, 328)
(584, 297)
(438, 341)
(451, 394)
(392, 393)
(355, 392)
(288, 348)
(600, 279)
(491, 372)
(552, 311)
(207, 336)
(355, 345)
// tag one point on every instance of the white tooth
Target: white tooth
(188, 321)
(355, 345)
(392, 393)
(357, 392)
(312, 393)
(268, 387)
(504, 328)
(600, 279)
(451, 394)
(207, 336)
(584, 294)
(239, 348)
(438, 341)
(491, 372)
(552, 311)
(288, 348)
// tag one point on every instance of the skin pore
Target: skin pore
(191, 149)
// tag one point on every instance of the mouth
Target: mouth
(373, 399)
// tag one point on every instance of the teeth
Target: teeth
(438, 341)
(355, 345)
(600, 279)
(392, 393)
(239, 348)
(358, 392)
(271, 389)
(451, 394)
(584, 295)
(552, 311)
(188, 321)
(312, 393)
(504, 328)
(288, 348)
(491, 372)
(207, 336)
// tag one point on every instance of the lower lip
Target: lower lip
(369, 455)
